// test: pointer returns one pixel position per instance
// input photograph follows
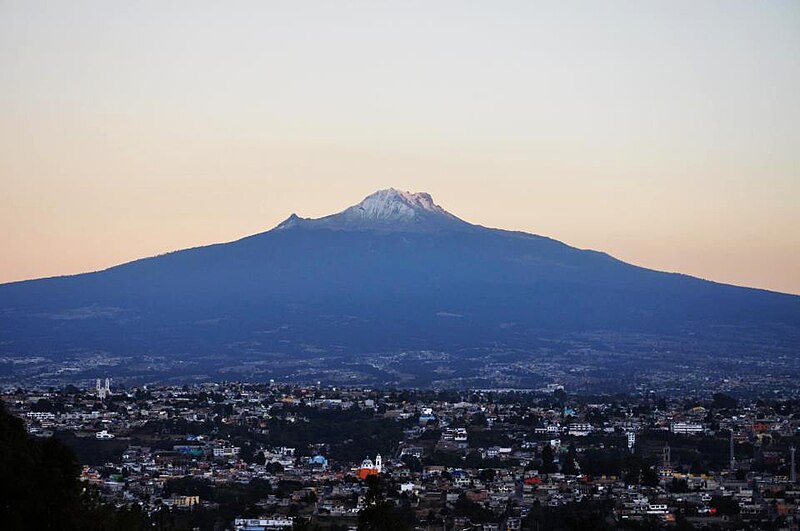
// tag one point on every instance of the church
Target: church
(368, 468)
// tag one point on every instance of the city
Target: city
(276, 456)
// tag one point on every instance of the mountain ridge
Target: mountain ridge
(340, 221)
(401, 281)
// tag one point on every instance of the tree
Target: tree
(569, 467)
(560, 395)
(304, 524)
(42, 406)
(548, 466)
(71, 390)
(681, 524)
(413, 463)
(678, 486)
(478, 419)
(487, 474)
(725, 505)
(723, 401)
(274, 467)
(475, 512)
(649, 476)
(39, 487)
(697, 467)
(379, 514)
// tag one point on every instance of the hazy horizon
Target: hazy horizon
(664, 134)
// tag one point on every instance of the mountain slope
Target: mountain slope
(395, 271)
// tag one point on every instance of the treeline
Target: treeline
(39, 487)
(348, 435)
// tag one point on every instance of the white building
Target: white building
(686, 428)
(40, 415)
(226, 452)
(580, 429)
(103, 391)
(263, 524)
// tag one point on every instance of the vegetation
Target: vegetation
(379, 514)
(41, 490)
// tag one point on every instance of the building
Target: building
(368, 468)
(580, 429)
(185, 501)
(686, 428)
(318, 461)
(226, 452)
(103, 391)
(41, 416)
(263, 524)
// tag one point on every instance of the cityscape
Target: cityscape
(418, 265)
(275, 456)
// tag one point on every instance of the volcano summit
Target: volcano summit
(387, 210)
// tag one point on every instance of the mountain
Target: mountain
(394, 272)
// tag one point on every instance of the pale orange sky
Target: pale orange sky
(664, 133)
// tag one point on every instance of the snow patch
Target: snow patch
(391, 204)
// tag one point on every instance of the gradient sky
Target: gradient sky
(664, 133)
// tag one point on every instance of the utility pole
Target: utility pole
(733, 456)
(793, 470)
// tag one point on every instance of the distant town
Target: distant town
(276, 456)
(586, 364)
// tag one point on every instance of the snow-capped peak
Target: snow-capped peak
(392, 204)
(387, 210)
